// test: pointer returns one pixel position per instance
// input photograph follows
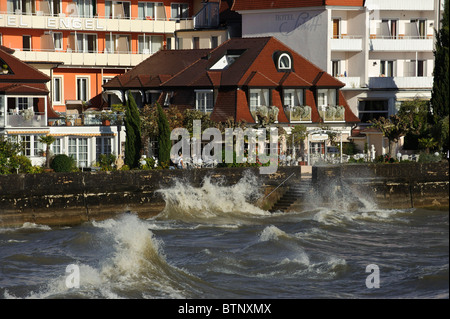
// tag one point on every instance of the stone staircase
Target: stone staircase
(294, 193)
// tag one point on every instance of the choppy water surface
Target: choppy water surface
(210, 242)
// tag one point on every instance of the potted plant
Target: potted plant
(5, 69)
(69, 119)
(106, 117)
(28, 114)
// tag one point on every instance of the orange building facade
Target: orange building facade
(81, 44)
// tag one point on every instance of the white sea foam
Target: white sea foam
(137, 263)
(212, 203)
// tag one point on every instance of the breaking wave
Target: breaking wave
(212, 202)
(136, 263)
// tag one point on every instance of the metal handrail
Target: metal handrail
(279, 186)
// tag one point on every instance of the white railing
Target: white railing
(351, 82)
(388, 43)
(21, 120)
(407, 82)
(347, 43)
(403, 5)
(128, 59)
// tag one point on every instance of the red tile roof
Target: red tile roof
(254, 66)
(21, 72)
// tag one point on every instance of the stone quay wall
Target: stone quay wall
(401, 185)
(64, 199)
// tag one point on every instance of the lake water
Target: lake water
(211, 242)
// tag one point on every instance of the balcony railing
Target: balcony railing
(407, 82)
(128, 59)
(24, 120)
(208, 16)
(298, 113)
(332, 113)
(347, 43)
(404, 43)
(351, 82)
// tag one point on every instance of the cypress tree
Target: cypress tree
(133, 130)
(164, 141)
(440, 91)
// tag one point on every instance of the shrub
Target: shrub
(62, 163)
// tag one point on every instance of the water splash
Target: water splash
(137, 263)
(213, 203)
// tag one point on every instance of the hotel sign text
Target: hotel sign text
(63, 23)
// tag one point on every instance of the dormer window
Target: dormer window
(227, 59)
(284, 62)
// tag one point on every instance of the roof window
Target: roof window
(227, 59)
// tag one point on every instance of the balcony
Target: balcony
(208, 16)
(38, 21)
(23, 120)
(347, 43)
(412, 44)
(83, 59)
(402, 5)
(351, 82)
(407, 82)
(332, 113)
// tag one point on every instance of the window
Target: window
(152, 96)
(103, 146)
(204, 101)
(227, 59)
(179, 43)
(387, 68)
(336, 28)
(86, 8)
(214, 42)
(39, 147)
(78, 150)
(86, 42)
(118, 9)
(57, 40)
(149, 44)
(118, 43)
(335, 68)
(258, 97)
(389, 28)
(293, 97)
(23, 103)
(195, 43)
(419, 28)
(326, 97)
(21, 6)
(284, 62)
(56, 146)
(26, 42)
(179, 11)
(57, 90)
(82, 88)
(169, 43)
(25, 141)
(372, 109)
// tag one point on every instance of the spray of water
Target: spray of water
(212, 202)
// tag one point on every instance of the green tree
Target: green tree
(393, 128)
(164, 141)
(133, 130)
(47, 140)
(440, 91)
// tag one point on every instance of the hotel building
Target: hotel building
(76, 47)
(381, 49)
